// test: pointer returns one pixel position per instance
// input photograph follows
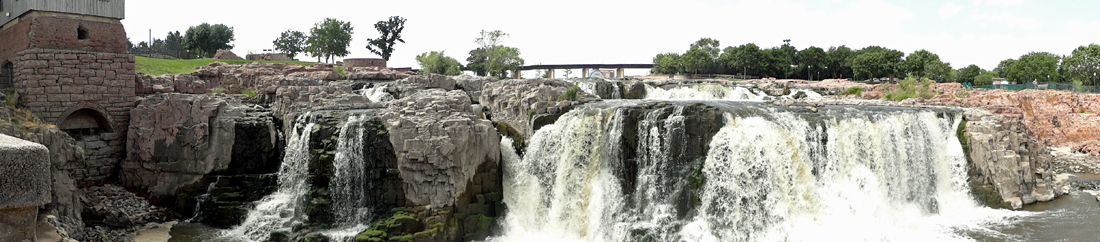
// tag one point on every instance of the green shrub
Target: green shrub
(12, 100)
(852, 91)
(217, 90)
(911, 88)
(570, 94)
(248, 92)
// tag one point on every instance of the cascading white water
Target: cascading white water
(850, 175)
(564, 189)
(377, 93)
(591, 87)
(200, 200)
(349, 182)
(282, 209)
(704, 91)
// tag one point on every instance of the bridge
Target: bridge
(619, 68)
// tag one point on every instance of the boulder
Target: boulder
(408, 86)
(226, 55)
(472, 85)
(175, 139)
(440, 143)
(376, 74)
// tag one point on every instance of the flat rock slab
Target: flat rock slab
(25, 169)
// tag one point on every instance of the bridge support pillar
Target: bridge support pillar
(584, 72)
(620, 73)
(515, 74)
(550, 73)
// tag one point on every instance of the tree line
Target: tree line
(200, 41)
(491, 58)
(814, 63)
(327, 40)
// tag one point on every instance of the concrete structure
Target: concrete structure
(365, 62)
(67, 60)
(24, 185)
(620, 69)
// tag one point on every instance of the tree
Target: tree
(788, 56)
(1083, 65)
(696, 61)
(744, 59)
(174, 45)
(1034, 66)
(812, 60)
(875, 61)
(491, 57)
(1003, 67)
(329, 38)
(984, 79)
(921, 62)
(836, 61)
(291, 43)
(207, 39)
(391, 34)
(708, 61)
(667, 63)
(437, 62)
(968, 73)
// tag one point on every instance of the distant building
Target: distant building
(1000, 81)
(365, 62)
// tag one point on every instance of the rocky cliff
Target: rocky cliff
(176, 139)
(1008, 165)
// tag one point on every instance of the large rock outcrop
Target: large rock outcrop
(440, 143)
(175, 139)
(472, 85)
(408, 86)
(527, 104)
(1008, 165)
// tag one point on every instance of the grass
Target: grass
(248, 92)
(570, 94)
(852, 91)
(158, 67)
(911, 88)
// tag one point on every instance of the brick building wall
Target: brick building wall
(50, 30)
(55, 84)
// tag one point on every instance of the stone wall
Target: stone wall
(52, 82)
(365, 62)
(55, 84)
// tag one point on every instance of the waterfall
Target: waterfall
(349, 183)
(843, 174)
(376, 93)
(348, 187)
(704, 91)
(281, 210)
(205, 197)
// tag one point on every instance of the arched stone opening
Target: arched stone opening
(85, 121)
(7, 75)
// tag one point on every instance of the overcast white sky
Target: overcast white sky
(981, 32)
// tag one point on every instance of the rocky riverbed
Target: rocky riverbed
(194, 149)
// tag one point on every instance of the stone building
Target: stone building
(67, 61)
